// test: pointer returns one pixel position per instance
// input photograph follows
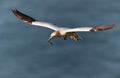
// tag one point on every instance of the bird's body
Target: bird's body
(60, 31)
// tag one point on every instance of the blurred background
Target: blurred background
(25, 52)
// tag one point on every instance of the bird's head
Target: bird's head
(53, 35)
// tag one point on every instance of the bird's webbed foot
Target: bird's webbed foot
(74, 36)
(65, 37)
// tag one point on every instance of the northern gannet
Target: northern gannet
(60, 31)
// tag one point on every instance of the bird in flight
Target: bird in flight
(60, 31)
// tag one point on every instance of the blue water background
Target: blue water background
(25, 53)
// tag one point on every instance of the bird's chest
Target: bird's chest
(62, 32)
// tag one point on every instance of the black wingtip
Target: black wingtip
(23, 16)
(101, 28)
(15, 12)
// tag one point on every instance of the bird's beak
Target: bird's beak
(49, 41)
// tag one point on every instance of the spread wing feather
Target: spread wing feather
(33, 21)
(91, 29)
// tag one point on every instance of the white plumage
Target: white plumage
(60, 31)
(45, 24)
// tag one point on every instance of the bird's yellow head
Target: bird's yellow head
(55, 34)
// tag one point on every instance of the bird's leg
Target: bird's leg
(74, 36)
(49, 41)
(65, 37)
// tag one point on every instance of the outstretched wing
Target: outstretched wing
(91, 29)
(33, 21)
